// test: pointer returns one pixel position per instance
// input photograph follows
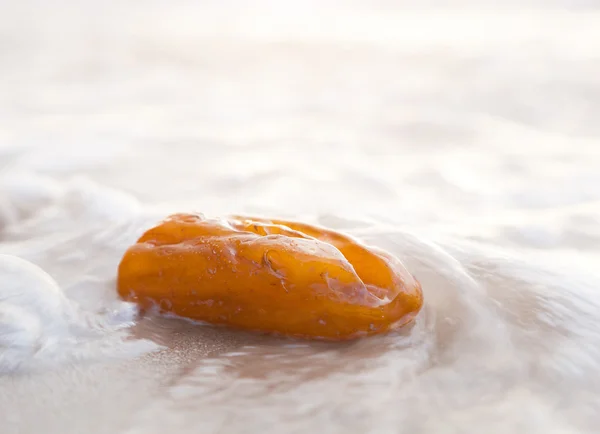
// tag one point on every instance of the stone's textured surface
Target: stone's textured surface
(268, 275)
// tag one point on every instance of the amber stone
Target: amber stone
(273, 276)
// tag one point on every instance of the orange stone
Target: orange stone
(272, 276)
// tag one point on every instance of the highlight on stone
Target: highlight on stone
(272, 276)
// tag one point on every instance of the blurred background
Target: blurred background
(437, 112)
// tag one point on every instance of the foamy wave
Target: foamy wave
(40, 326)
(30, 202)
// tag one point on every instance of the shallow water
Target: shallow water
(462, 139)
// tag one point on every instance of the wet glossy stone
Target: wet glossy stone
(273, 276)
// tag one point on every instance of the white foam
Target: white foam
(34, 311)
(40, 326)
(34, 204)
